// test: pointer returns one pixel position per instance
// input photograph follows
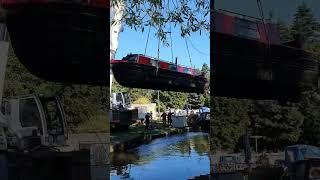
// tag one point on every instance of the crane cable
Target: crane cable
(171, 44)
(194, 47)
(265, 30)
(185, 40)
(158, 57)
(170, 34)
(145, 50)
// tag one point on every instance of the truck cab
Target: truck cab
(121, 100)
(302, 162)
(123, 115)
(33, 121)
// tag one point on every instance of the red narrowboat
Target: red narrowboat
(61, 40)
(140, 71)
(250, 61)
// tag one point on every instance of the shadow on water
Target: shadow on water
(175, 157)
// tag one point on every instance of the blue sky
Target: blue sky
(132, 41)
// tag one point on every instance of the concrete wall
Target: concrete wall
(74, 140)
(99, 146)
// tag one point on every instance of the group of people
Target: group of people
(167, 118)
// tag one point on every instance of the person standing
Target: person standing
(170, 118)
(164, 118)
(147, 120)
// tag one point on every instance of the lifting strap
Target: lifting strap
(170, 34)
(265, 28)
(171, 44)
(145, 50)
(185, 40)
(268, 62)
(157, 65)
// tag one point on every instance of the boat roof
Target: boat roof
(303, 151)
(205, 109)
(248, 27)
(156, 59)
(300, 146)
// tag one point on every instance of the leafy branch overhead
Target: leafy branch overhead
(189, 15)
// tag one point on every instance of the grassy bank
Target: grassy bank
(138, 130)
(137, 135)
(96, 124)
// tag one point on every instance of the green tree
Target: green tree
(81, 103)
(305, 23)
(278, 124)
(172, 99)
(284, 31)
(310, 108)
(195, 100)
(206, 96)
(205, 70)
(228, 122)
(160, 14)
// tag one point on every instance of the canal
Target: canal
(175, 157)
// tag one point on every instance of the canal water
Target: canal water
(176, 157)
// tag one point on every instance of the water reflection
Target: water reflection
(176, 157)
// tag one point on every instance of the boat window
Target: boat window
(247, 29)
(173, 67)
(126, 98)
(153, 62)
(54, 117)
(119, 97)
(187, 70)
(29, 114)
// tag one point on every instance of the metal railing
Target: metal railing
(170, 63)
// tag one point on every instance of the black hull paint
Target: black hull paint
(61, 42)
(146, 77)
(238, 66)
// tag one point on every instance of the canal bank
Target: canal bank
(137, 135)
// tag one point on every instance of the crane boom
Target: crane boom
(4, 46)
(116, 15)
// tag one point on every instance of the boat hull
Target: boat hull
(243, 68)
(61, 42)
(146, 77)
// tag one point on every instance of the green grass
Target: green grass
(96, 124)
